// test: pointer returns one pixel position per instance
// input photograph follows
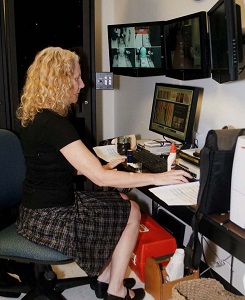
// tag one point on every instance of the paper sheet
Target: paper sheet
(179, 194)
(108, 153)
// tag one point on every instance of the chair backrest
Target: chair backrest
(12, 169)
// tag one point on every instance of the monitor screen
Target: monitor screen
(174, 111)
(225, 34)
(136, 49)
(186, 52)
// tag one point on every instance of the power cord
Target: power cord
(241, 69)
(219, 263)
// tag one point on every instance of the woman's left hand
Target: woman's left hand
(112, 164)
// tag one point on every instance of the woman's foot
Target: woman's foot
(139, 294)
(101, 288)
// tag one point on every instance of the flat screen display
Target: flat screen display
(186, 47)
(225, 32)
(174, 110)
(136, 49)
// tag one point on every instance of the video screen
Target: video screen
(173, 111)
(225, 32)
(183, 44)
(135, 46)
(219, 38)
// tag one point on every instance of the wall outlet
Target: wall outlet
(104, 81)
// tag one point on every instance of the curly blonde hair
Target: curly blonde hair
(48, 84)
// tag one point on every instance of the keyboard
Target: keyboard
(152, 162)
(156, 164)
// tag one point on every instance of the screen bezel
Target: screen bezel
(186, 139)
(135, 71)
(183, 73)
(229, 72)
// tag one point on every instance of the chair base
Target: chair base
(9, 295)
(6, 281)
(51, 295)
(45, 287)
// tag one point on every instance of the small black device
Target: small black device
(175, 112)
(123, 145)
(129, 156)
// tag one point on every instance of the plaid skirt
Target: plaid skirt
(87, 231)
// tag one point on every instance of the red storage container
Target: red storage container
(153, 241)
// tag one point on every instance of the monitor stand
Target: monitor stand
(178, 143)
(188, 146)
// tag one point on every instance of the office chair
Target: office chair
(14, 247)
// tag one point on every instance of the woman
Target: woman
(98, 229)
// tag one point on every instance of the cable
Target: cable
(205, 260)
(220, 261)
(241, 70)
(231, 272)
(196, 143)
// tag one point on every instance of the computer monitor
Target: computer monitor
(186, 47)
(175, 111)
(225, 35)
(135, 49)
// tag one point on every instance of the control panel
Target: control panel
(104, 81)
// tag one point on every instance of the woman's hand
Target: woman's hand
(112, 164)
(172, 177)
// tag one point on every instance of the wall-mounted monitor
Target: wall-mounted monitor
(186, 48)
(136, 49)
(175, 112)
(225, 34)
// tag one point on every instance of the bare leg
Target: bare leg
(104, 275)
(124, 196)
(116, 269)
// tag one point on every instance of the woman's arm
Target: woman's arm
(87, 164)
(109, 166)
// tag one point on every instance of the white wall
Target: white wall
(105, 110)
(127, 109)
(130, 102)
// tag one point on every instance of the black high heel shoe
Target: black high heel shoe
(101, 288)
(139, 294)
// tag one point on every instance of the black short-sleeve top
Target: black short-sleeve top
(49, 176)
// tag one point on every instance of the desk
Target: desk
(229, 236)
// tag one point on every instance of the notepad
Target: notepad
(178, 194)
(108, 153)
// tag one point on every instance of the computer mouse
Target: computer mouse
(193, 179)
